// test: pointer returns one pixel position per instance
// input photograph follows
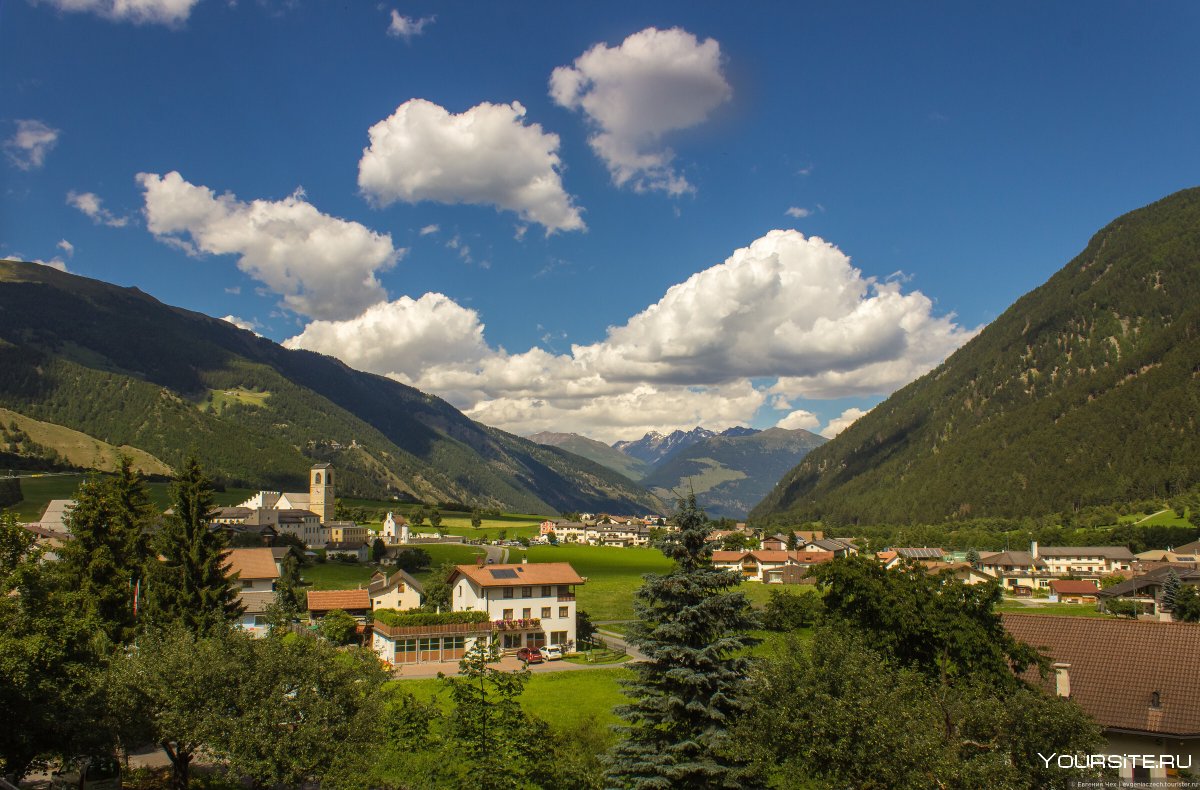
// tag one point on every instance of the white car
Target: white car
(552, 652)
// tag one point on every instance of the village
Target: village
(1133, 674)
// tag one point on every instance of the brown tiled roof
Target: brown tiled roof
(252, 564)
(522, 574)
(327, 600)
(1110, 552)
(1117, 665)
(256, 602)
(728, 556)
(1018, 559)
(1074, 587)
(885, 556)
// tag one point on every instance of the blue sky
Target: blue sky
(568, 262)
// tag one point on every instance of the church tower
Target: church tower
(320, 491)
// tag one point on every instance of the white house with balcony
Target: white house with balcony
(529, 604)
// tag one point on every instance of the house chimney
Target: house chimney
(525, 559)
(1033, 549)
(1062, 679)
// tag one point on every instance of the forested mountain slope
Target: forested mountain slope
(601, 453)
(124, 368)
(1085, 391)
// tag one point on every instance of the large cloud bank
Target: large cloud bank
(788, 310)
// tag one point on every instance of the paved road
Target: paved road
(617, 641)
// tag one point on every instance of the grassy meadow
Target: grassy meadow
(563, 699)
(38, 491)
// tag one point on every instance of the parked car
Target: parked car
(88, 773)
(530, 655)
(552, 652)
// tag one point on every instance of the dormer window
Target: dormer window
(1155, 699)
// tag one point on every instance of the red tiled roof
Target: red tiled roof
(1074, 587)
(522, 574)
(1118, 665)
(327, 600)
(728, 556)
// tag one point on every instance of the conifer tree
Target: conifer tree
(106, 555)
(288, 593)
(1170, 589)
(688, 693)
(187, 584)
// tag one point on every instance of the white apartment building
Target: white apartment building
(1084, 560)
(530, 604)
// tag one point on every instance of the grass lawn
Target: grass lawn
(337, 575)
(1071, 609)
(561, 698)
(612, 575)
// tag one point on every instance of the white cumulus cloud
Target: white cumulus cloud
(786, 317)
(842, 422)
(655, 82)
(242, 323)
(406, 27)
(486, 155)
(93, 207)
(161, 12)
(67, 247)
(30, 143)
(799, 419)
(428, 229)
(323, 267)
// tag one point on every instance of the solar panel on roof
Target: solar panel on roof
(502, 573)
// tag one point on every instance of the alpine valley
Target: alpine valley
(126, 370)
(1084, 392)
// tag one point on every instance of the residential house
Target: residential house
(530, 604)
(758, 565)
(1137, 679)
(255, 572)
(398, 591)
(1019, 572)
(356, 603)
(1189, 548)
(965, 572)
(779, 541)
(1074, 590)
(788, 574)
(922, 553)
(1165, 555)
(1084, 561)
(355, 548)
(888, 559)
(841, 547)
(1146, 588)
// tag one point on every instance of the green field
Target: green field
(219, 400)
(334, 575)
(612, 575)
(563, 699)
(38, 491)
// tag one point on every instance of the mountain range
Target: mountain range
(128, 371)
(1085, 392)
(729, 471)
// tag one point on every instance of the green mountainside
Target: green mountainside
(125, 369)
(1084, 392)
(601, 453)
(731, 473)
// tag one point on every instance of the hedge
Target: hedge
(391, 617)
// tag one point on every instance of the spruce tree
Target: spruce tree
(187, 584)
(1170, 589)
(106, 555)
(688, 693)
